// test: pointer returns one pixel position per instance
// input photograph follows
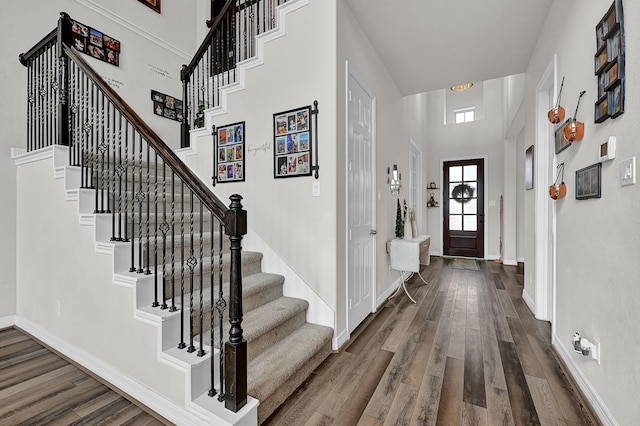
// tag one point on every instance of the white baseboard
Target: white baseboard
(521, 259)
(8, 321)
(340, 339)
(510, 262)
(166, 408)
(568, 356)
(528, 300)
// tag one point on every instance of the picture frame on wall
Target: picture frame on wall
(229, 153)
(153, 4)
(94, 43)
(292, 140)
(561, 143)
(589, 182)
(609, 64)
(528, 168)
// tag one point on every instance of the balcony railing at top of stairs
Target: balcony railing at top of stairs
(175, 226)
(231, 39)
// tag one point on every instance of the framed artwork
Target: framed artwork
(528, 168)
(167, 106)
(292, 143)
(561, 142)
(609, 64)
(229, 153)
(588, 182)
(153, 4)
(94, 43)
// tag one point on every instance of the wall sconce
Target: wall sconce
(393, 179)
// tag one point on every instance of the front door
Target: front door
(463, 203)
(361, 205)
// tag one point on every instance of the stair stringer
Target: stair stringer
(198, 407)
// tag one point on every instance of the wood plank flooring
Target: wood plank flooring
(468, 353)
(38, 387)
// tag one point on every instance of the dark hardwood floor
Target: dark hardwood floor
(469, 352)
(38, 387)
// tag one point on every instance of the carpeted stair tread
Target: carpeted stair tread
(275, 366)
(269, 316)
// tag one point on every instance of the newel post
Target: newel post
(184, 126)
(235, 350)
(64, 36)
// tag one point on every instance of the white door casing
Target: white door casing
(361, 213)
(415, 182)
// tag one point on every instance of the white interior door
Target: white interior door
(361, 257)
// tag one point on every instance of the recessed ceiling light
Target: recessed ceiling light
(461, 87)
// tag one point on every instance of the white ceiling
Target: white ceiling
(433, 44)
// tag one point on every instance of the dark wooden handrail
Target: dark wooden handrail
(186, 71)
(207, 197)
(48, 39)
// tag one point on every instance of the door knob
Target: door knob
(373, 232)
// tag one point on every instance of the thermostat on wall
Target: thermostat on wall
(608, 150)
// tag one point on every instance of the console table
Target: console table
(406, 256)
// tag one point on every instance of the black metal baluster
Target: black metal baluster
(164, 228)
(191, 263)
(212, 342)
(102, 148)
(133, 199)
(40, 110)
(126, 193)
(29, 103)
(201, 350)
(221, 305)
(182, 345)
(84, 133)
(119, 170)
(148, 196)
(45, 98)
(173, 243)
(111, 165)
(155, 303)
(140, 196)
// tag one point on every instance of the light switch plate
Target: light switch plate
(628, 172)
(315, 189)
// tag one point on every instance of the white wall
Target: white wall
(392, 144)
(475, 139)
(598, 240)
(153, 50)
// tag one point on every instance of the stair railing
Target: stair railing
(231, 39)
(172, 224)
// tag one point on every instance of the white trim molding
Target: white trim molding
(605, 416)
(8, 321)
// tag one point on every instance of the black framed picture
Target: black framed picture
(609, 63)
(561, 143)
(588, 182)
(229, 153)
(292, 143)
(95, 43)
(528, 168)
(166, 106)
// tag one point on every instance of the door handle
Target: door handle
(373, 232)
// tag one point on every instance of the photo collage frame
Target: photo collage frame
(230, 153)
(292, 143)
(609, 64)
(167, 106)
(95, 43)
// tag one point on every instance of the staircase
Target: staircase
(169, 241)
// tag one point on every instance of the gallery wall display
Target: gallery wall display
(153, 4)
(166, 106)
(228, 161)
(95, 43)
(292, 143)
(609, 63)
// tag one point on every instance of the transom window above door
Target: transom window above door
(464, 115)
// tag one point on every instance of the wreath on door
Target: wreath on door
(462, 192)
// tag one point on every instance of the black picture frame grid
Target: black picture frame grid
(292, 143)
(229, 151)
(609, 64)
